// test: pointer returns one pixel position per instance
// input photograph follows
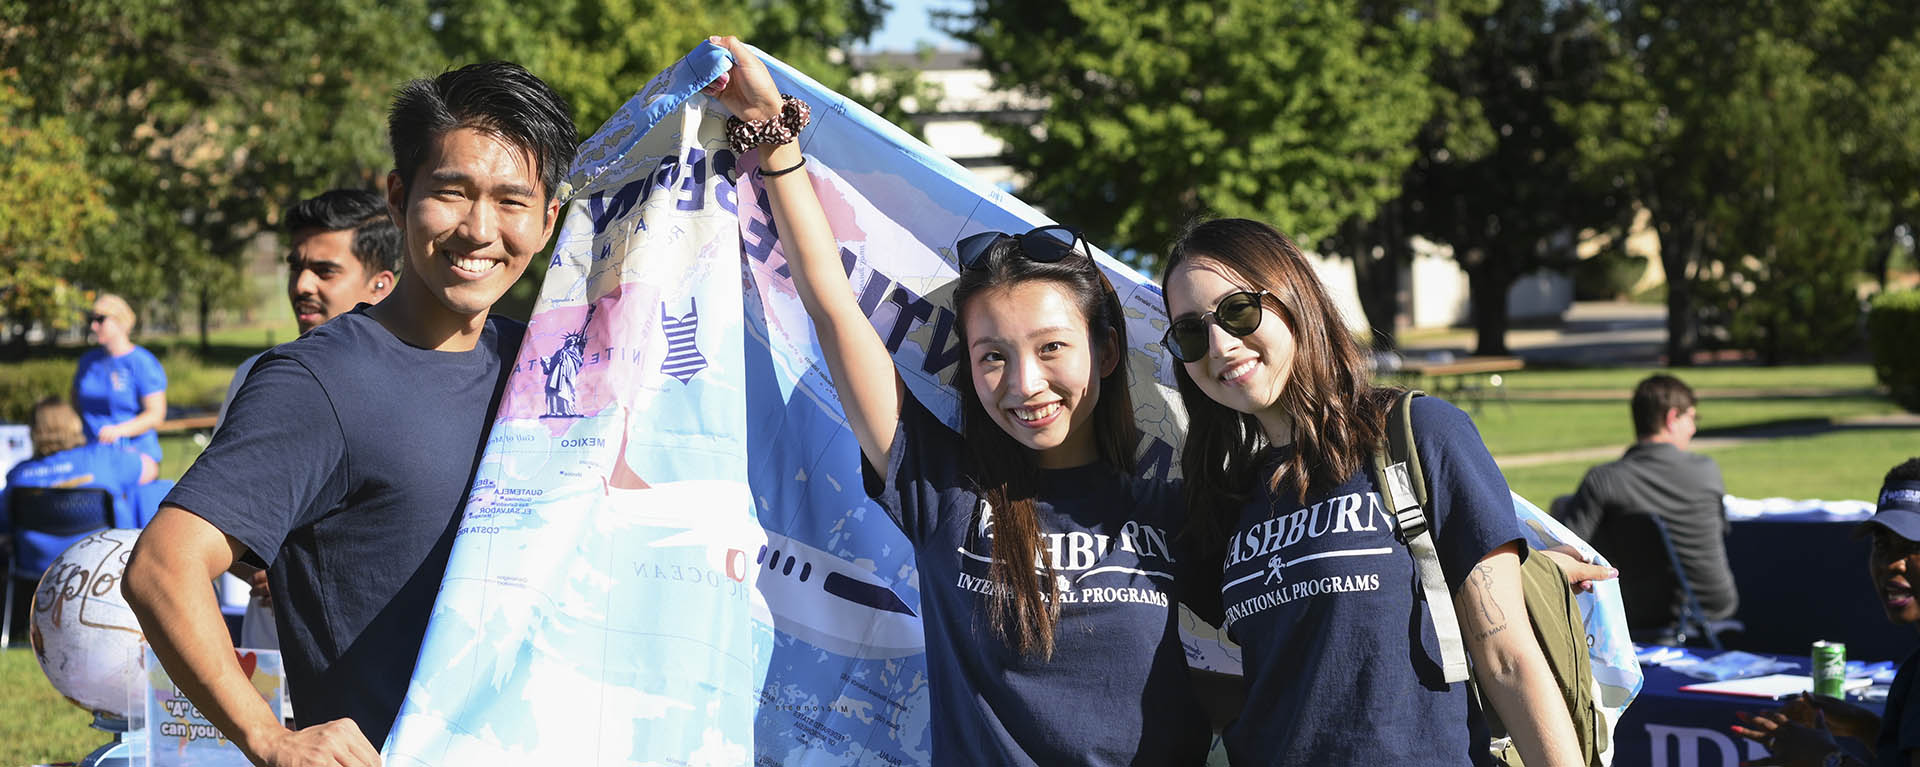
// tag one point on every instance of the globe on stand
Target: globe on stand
(89, 643)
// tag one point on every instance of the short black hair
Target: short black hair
(1905, 472)
(1652, 399)
(499, 97)
(376, 241)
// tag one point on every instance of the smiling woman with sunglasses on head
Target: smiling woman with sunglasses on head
(1046, 576)
(1315, 584)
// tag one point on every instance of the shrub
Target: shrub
(1892, 325)
(24, 383)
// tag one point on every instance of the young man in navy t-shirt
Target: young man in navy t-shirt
(347, 454)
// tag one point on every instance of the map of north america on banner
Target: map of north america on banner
(668, 557)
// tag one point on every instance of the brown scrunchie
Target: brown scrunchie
(743, 135)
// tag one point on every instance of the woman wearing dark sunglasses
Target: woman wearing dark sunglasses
(119, 387)
(1046, 575)
(1314, 584)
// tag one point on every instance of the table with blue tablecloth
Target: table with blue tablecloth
(1668, 728)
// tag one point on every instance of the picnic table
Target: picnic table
(199, 425)
(1461, 380)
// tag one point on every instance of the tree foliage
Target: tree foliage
(204, 119)
(1156, 112)
(1702, 104)
(1789, 233)
(1496, 175)
(53, 202)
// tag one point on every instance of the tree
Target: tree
(1791, 232)
(1298, 114)
(1655, 125)
(205, 119)
(1891, 149)
(53, 202)
(1496, 177)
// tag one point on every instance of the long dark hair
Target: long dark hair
(1006, 473)
(1338, 416)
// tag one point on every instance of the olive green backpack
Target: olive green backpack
(1556, 619)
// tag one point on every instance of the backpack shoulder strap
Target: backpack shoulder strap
(1403, 486)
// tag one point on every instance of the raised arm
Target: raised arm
(863, 373)
(1512, 673)
(169, 585)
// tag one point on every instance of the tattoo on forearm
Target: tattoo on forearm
(1480, 583)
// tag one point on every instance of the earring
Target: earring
(379, 286)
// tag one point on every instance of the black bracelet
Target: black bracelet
(777, 173)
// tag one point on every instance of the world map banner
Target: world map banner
(668, 556)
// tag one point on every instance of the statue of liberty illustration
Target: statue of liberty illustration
(562, 367)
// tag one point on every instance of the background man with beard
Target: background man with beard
(345, 253)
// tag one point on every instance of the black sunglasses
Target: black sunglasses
(1045, 245)
(93, 318)
(1238, 314)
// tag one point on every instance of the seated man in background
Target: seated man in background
(1801, 733)
(345, 251)
(1658, 476)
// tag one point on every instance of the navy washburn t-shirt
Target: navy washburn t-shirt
(1322, 597)
(1116, 690)
(344, 464)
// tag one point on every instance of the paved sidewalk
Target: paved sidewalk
(1591, 333)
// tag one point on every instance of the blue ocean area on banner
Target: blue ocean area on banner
(668, 556)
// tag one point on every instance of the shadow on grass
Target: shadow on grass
(1807, 427)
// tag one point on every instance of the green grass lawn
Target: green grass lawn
(177, 452)
(37, 725)
(1840, 465)
(1538, 426)
(1725, 377)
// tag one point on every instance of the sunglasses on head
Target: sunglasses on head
(1046, 245)
(1237, 313)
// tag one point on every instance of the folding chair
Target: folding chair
(1660, 604)
(44, 522)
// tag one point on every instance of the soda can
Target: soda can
(1830, 669)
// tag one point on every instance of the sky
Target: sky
(908, 24)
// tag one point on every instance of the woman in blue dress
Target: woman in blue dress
(1047, 579)
(118, 387)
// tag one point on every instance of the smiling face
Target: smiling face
(470, 220)
(1245, 373)
(1894, 564)
(1035, 368)
(325, 278)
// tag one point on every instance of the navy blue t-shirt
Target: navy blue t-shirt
(1900, 721)
(344, 463)
(1324, 601)
(1116, 691)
